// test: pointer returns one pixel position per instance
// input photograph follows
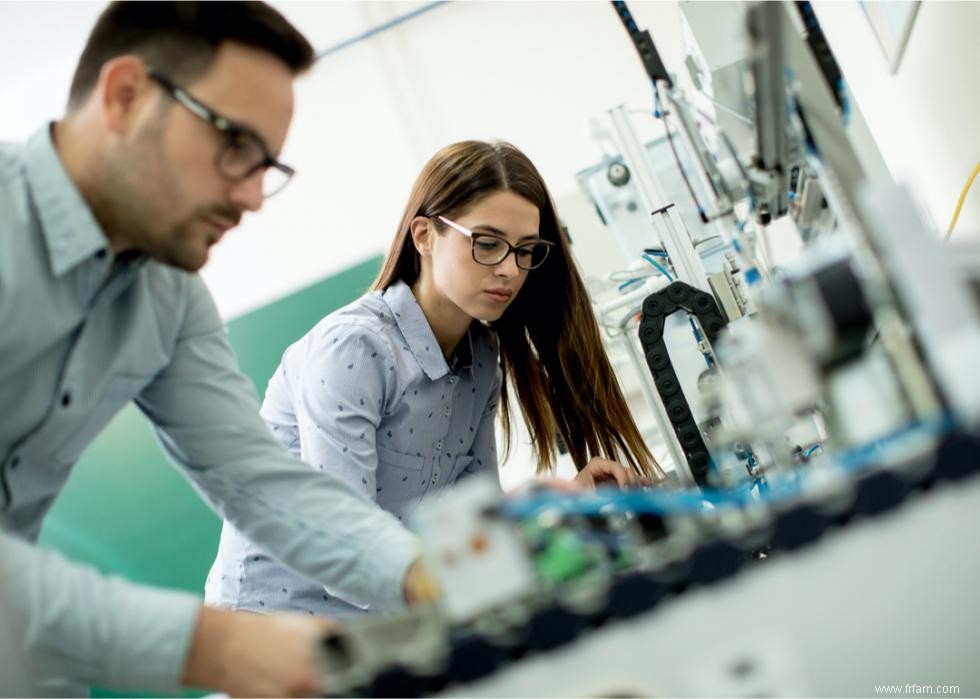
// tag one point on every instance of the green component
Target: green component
(564, 557)
(126, 510)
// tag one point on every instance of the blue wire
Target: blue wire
(697, 338)
(694, 329)
(608, 500)
(663, 270)
(845, 102)
(660, 268)
(346, 43)
(659, 114)
(613, 500)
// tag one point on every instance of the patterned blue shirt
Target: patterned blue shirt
(368, 396)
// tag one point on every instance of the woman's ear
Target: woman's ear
(421, 230)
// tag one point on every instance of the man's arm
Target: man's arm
(74, 623)
(206, 415)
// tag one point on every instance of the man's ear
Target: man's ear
(122, 92)
(422, 231)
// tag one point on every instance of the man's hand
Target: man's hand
(420, 586)
(604, 472)
(254, 655)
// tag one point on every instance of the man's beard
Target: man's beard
(136, 204)
(137, 197)
(133, 193)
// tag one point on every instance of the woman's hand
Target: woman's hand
(603, 472)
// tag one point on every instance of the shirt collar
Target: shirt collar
(68, 226)
(419, 336)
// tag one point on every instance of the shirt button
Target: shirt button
(453, 379)
(439, 444)
(448, 411)
(66, 398)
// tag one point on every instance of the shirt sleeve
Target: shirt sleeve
(75, 623)
(341, 395)
(205, 412)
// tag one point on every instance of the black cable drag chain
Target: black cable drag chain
(679, 296)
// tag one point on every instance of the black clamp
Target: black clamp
(656, 308)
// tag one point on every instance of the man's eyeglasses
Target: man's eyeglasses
(243, 153)
(489, 249)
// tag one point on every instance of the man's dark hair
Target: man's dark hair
(180, 38)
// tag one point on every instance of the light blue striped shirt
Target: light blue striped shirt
(82, 334)
(368, 396)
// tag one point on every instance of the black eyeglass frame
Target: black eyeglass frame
(474, 236)
(231, 131)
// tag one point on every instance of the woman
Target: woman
(397, 393)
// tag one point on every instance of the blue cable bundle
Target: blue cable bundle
(612, 500)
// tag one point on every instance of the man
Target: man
(176, 114)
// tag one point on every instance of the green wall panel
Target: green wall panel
(127, 510)
(261, 337)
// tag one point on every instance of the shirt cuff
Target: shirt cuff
(154, 654)
(385, 565)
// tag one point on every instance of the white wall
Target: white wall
(39, 46)
(369, 117)
(925, 117)
(531, 72)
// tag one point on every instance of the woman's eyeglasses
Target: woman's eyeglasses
(489, 249)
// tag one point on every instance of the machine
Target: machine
(824, 435)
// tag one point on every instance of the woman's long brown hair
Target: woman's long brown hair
(550, 347)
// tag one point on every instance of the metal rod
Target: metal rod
(674, 238)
